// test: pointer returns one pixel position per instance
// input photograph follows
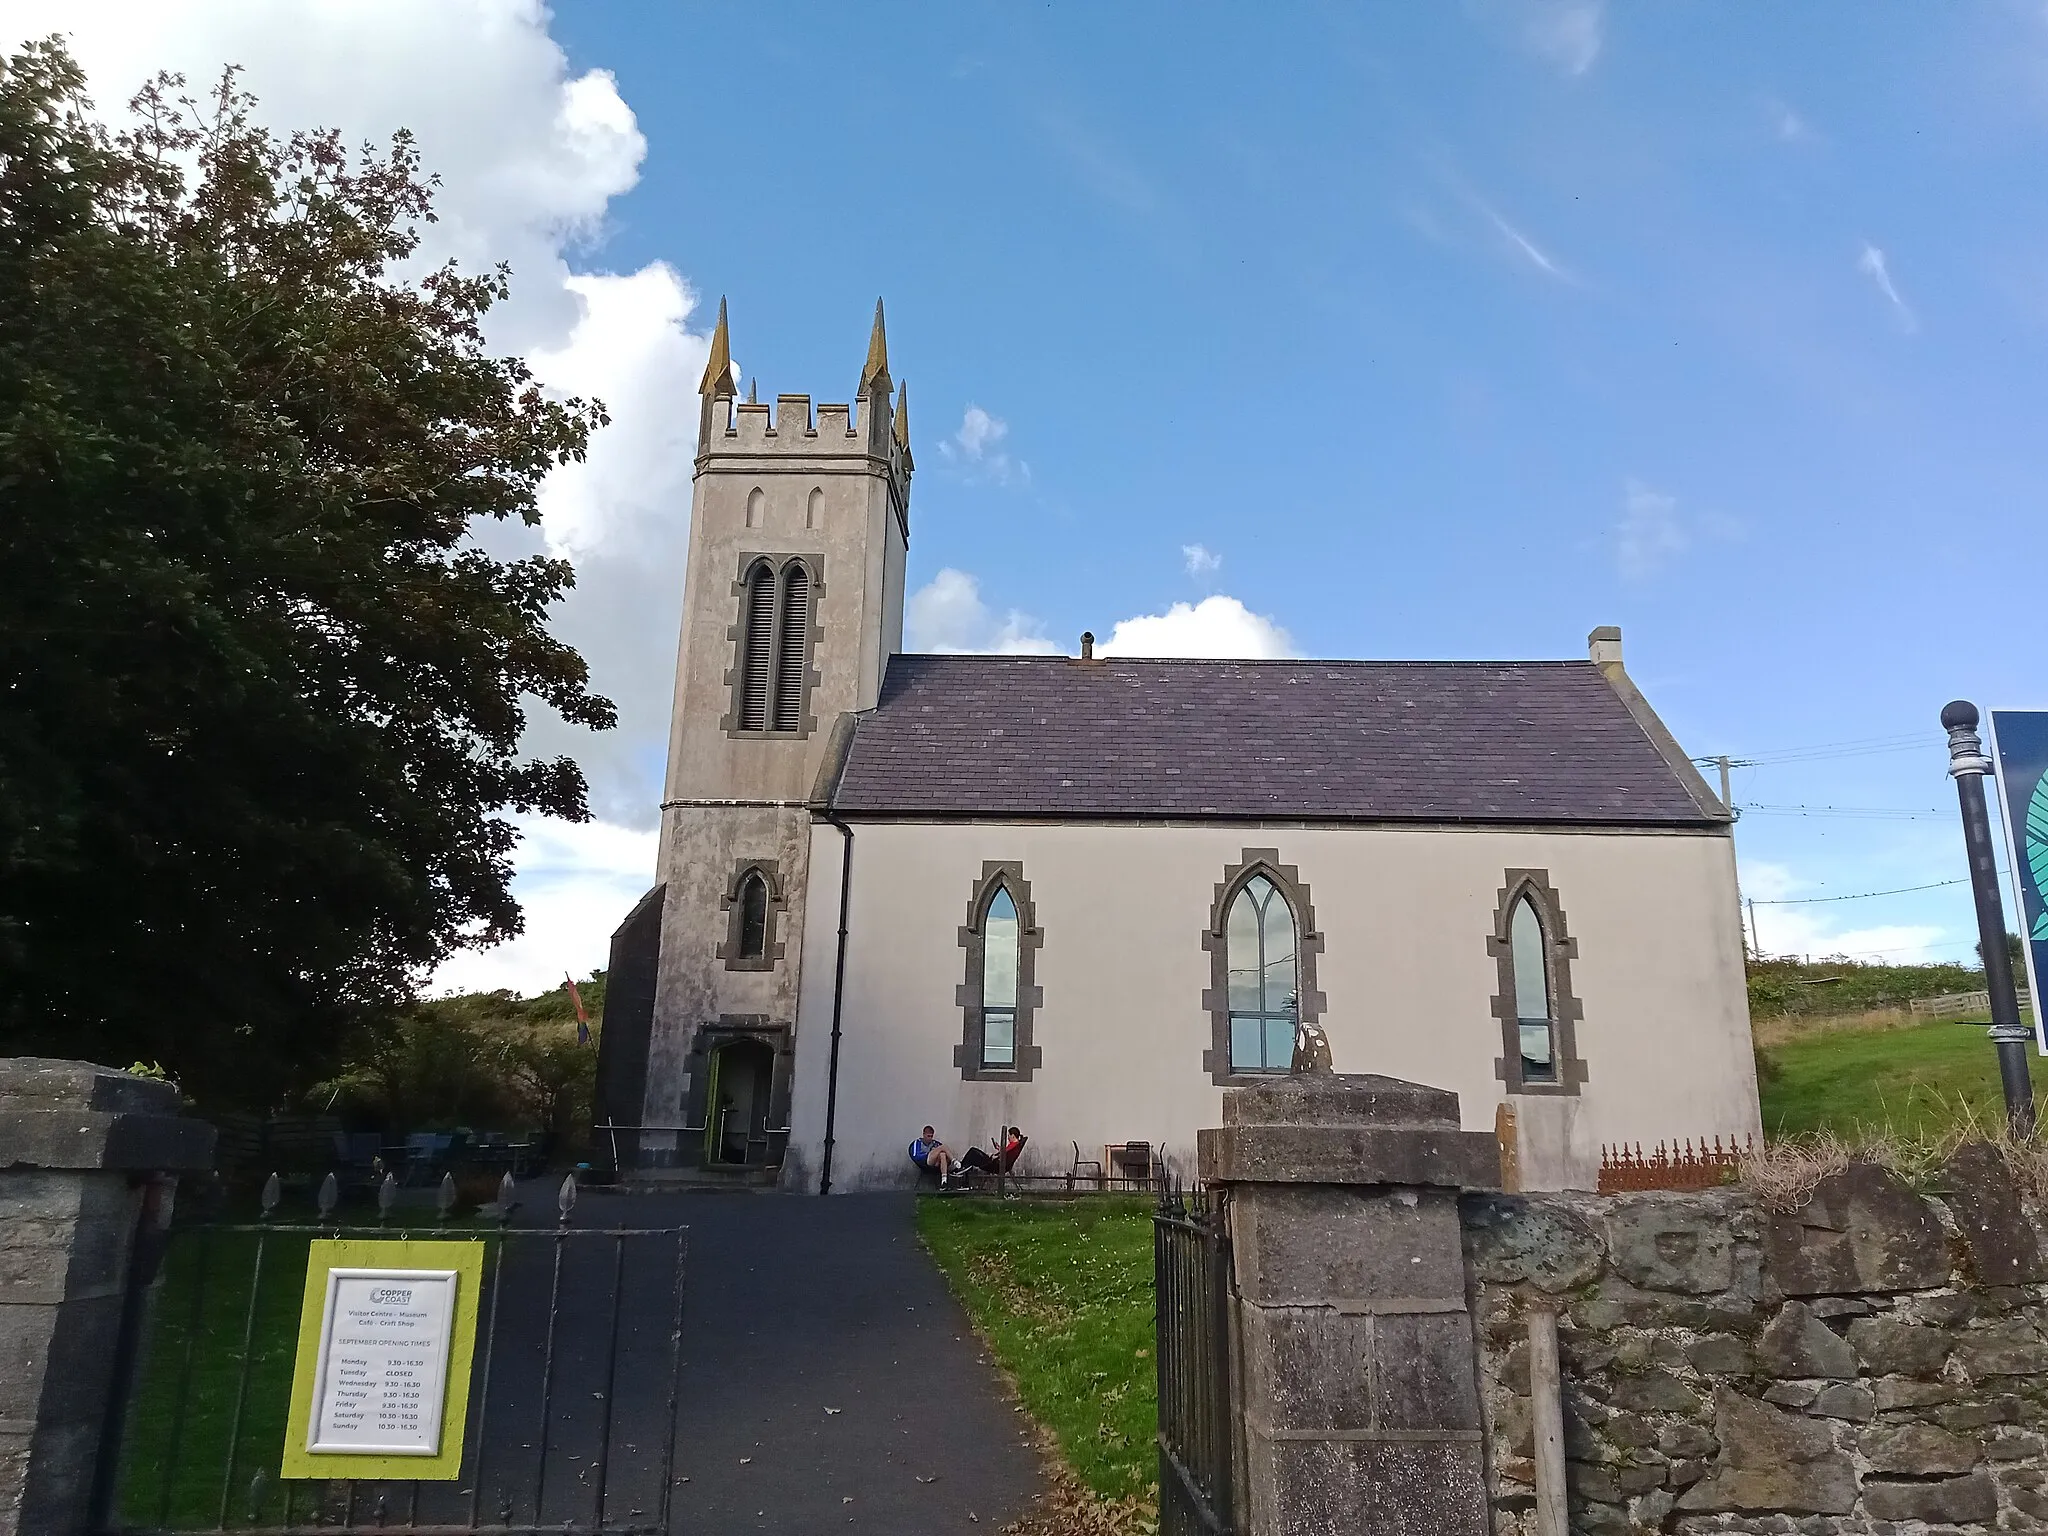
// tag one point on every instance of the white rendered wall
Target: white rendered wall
(1405, 914)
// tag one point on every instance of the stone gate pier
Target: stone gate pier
(1359, 1371)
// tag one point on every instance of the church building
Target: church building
(1083, 895)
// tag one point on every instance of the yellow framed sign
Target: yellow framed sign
(387, 1336)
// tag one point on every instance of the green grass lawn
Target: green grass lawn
(1063, 1294)
(176, 1458)
(1909, 1080)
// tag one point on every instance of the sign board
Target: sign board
(2019, 751)
(387, 1332)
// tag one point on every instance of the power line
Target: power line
(1805, 901)
(1864, 746)
(1864, 812)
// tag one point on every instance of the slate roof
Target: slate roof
(1054, 737)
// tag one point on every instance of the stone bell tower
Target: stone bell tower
(793, 605)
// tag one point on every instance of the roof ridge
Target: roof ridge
(1255, 661)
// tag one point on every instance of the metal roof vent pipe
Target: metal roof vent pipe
(1087, 645)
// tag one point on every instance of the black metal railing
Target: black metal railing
(1198, 1409)
(557, 1438)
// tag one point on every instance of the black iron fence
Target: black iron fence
(1198, 1409)
(572, 1396)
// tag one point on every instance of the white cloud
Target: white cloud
(530, 157)
(977, 449)
(1200, 560)
(1814, 930)
(948, 615)
(1216, 626)
(1566, 33)
(1873, 265)
(576, 881)
(1788, 124)
(1650, 534)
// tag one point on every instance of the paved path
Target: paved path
(796, 1305)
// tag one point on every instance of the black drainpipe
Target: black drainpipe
(838, 999)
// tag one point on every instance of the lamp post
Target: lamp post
(1968, 765)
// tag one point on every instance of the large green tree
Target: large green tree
(261, 692)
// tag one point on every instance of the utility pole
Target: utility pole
(1968, 765)
(1756, 945)
(1724, 763)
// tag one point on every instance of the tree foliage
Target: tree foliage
(261, 693)
(482, 1060)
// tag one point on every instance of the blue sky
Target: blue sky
(1450, 330)
(1443, 330)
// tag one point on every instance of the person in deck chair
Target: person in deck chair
(974, 1160)
(930, 1152)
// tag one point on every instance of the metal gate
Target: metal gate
(1198, 1422)
(572, 1397)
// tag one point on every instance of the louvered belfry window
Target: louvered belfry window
(757, 657)
(793, 654)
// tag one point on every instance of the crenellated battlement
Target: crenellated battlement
(874, 431)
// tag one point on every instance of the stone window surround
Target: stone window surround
(1308, 943)
(706, 1038)
(778, 565)
(771, 948)
(1560, 949)
(1007, 874)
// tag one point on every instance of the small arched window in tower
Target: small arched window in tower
(793, 656)
(753, 944)
(1264, 982)
(814, 508)
(757, 507)
(999, 950)
(757, 656)
(1534, 1018)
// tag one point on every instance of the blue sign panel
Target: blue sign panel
(2019, 748)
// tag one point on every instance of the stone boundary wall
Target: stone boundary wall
(1875, 1363)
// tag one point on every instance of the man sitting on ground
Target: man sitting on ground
(931, 1153)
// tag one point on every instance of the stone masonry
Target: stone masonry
(1358, 1397)
(1876, 1362)
(79, 1148)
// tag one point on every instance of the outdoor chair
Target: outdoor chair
(1133, 1162)
(1080, 1162)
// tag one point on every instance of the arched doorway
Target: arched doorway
(736, 1104)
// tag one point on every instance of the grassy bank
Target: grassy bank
(1912, 1079)
(1063, 1294)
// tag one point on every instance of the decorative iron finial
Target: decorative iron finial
(444, 1200)
(720, 381)
(387, 1196)
(565, 1198)
(874, 376)
(330, 1195)
(1311, 1049)
(273, 1191)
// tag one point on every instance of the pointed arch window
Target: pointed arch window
(1538, 1014)
(999, 981)
(753, 907)
(774, 641)
(1265, 998)
(753, 943)
(998, 998)
(1263, 945)
(1535, 1028)
(756, 650)
(793, 651)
